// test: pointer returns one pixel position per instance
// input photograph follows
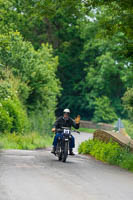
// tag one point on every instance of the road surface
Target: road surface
(37, 175)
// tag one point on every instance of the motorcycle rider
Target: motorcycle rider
(65, 121)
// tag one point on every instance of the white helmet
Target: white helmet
(66, 110)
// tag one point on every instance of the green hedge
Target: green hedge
(13, 117)
(110, 152)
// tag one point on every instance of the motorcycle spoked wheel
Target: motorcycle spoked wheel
(59, 152)
(65, 152)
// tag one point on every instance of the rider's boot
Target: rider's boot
(71, 152)
(53, 150)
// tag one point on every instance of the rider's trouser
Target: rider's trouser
(71, 144)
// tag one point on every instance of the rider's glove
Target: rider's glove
(77, 119)
(53, 129)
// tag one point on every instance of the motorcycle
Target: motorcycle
(62, 147)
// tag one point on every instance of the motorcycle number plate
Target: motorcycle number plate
(66, 139)
(67, 132)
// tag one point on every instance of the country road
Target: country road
(37, 175)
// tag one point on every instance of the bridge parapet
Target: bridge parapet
(106, 136)
(92, 125)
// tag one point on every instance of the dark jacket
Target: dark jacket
(61, 122)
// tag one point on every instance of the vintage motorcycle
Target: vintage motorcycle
(62, 147)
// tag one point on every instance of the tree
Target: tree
(117, 16)
(103, 110)
(93, 42)
(39, 87)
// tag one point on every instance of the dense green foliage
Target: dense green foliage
(17, 120)
(102, 107)
(13, 116)
(35, 68)
(28, 82)
(92, 43)
(108, 152)
(86, 44)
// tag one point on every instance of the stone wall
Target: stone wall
(91, 125)
(106, 136)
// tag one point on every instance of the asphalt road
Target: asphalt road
(37, 175)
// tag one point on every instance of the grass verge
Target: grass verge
(87, 130)
(111, 153)
(28, 142)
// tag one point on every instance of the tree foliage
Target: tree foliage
(104, 111)
(93, 43)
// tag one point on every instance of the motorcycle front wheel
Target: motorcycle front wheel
(65, 152)
(59, 153)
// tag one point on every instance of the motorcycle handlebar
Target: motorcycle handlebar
(61, 129)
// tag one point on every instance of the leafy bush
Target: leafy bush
(8, 84)
(13, 116)
(17, 114)
(110, 152)
(5, 120)
(5, 90)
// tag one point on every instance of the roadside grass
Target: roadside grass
(28, 141)
(87, 130)
(128, 127)
(111, 153)
(1, 145)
